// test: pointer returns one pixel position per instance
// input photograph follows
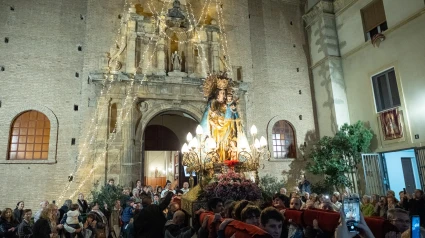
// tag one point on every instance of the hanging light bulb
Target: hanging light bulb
(199, 130)
(253, 130)
(263, 142)
(211, 144)
(185, 148)
(189, 137)
(194, 143)
(257, 144)
(244, 143)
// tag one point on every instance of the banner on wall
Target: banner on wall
(391, 124)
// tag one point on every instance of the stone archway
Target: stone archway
(194, 109)
(149, 109)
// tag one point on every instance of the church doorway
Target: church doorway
(163, 138)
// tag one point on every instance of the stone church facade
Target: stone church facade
(100, 71)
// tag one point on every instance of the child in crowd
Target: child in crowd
(73, 220)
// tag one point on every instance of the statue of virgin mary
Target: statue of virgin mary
(220, 120)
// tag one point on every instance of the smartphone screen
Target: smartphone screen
(415, 227)
(352, 213)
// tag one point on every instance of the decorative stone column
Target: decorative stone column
(197, 64)
(146, 56)
(203, 53)
(100, 145)
(128, 160)
(215, 58)
(160, 57)
(131, 43)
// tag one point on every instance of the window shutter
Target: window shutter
(379, 13)
(373, 15)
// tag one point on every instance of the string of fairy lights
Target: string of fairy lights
(98, 160)
(225, 47)
(90, 135)
(201, 50)
(102, 111)
(99, 113)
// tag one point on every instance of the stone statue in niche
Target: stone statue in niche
(176, 61)
(176, 12)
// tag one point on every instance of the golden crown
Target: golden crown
(222, 83)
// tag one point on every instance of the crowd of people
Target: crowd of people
(156, 212)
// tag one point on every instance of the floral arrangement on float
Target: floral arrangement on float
(232, 185)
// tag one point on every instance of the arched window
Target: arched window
(283, 136)
(113, 118)
(29, 137)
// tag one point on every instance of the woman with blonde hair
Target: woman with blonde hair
(314, 198)
(47, 226)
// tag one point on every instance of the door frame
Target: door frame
(420, 152)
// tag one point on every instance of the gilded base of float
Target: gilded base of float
(190, 202)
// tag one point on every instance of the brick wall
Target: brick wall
(41, 60)
(280, 73)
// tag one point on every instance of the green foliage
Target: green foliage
(108, 195)
(321, 188)
(270, 185)
(337, 156)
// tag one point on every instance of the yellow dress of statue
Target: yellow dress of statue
(221, 119)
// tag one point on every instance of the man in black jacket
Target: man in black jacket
(416, 205)
(151, 220)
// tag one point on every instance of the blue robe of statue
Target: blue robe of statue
(204, 121)
(230, 114)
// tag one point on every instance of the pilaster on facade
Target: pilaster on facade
(327, 66)
(321, 9)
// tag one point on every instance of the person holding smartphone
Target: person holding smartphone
(416, 205)
(381, 207)
(404, 199)
(342, 230)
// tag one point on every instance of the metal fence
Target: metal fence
(373, 173)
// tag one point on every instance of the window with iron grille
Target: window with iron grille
(283, 137)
